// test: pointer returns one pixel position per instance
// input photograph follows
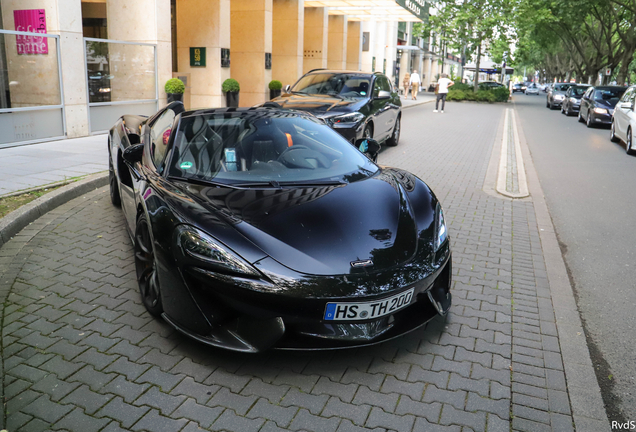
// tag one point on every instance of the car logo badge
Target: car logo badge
(362, 263)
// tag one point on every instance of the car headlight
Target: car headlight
(441, 233)
(354, 117)
(601, 111)
(196, 244)
(573, 100)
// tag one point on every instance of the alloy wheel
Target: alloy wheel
(146, 267)
(588, 121)
(613, 137)
(628, 144)
(395, 136)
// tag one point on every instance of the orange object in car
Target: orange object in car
(290, 142)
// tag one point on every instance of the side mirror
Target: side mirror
(133, 154)
(383, 94)
(626, 105)
(370, 147)
(287, 89)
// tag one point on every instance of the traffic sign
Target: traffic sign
(608, 71)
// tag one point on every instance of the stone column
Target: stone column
(287, 40)
(379, 45)
(354, 45)
(366, 57)
(391, 49)
(251, 33)
(145, 21)
(337, 42)
(204, 23)
(39, 85)
(315, 38)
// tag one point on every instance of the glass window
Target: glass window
(264, 146)
(159, 134)
(608, 94)
(384, 84)
(340, 84)
(627, 95)
(120, 72)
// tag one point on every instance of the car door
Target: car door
(155, 141)
(391, 108)
(379, 110)
(621, 111)
(586, 101)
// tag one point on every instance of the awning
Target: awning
(379, 10)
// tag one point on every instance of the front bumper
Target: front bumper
(601, 118)
(250, 320)
(350, 133)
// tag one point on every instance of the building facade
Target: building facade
(70, 68)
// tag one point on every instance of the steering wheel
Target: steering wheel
(298, 156)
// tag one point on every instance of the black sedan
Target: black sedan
(519, 87)
(355, 104)
(556, 94)
(597, 104)
(572, 99)
(263, 228)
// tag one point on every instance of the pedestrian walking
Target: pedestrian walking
(415, 84)
(406, 84)
(442, 91)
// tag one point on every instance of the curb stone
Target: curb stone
(15, 221)
(585, 399)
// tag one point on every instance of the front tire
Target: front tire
(629, 144)
(395, 136)
(581, 117)
(613, 137)
(113, 183)
(588, 120)
(146, 267)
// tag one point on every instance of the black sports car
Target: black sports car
(256, 228)
(572, 99)
(598, 103)
(355, 104)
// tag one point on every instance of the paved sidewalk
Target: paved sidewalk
(30, 166)
(81, 354)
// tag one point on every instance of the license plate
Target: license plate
(368, 310)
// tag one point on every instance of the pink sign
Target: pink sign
(33, 21)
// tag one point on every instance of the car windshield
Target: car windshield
(337, 84)
(562, 87)
(609, 95)
(264, 146)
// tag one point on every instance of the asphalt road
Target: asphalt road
(587, 181)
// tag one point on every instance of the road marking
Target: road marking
(511, 179)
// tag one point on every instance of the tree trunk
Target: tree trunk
(477, 64)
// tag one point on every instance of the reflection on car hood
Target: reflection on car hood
(319, 104)
(321, 229)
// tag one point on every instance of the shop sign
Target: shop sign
(33, 21)
(197, 56)
(419, 8)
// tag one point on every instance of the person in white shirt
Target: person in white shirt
(442, 91)
(415, 84)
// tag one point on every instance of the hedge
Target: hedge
(465, 92)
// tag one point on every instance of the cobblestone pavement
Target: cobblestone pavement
(81, 354)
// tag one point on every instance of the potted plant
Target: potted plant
(274, 89)
(231, 89)
(175, 88)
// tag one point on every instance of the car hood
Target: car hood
(319, 104)
(605, 104)
(321, 230)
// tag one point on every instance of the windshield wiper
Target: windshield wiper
(199, 182)
(314, 183)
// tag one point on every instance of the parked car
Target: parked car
(257, 228)
(532, 89)
(355, 104)
(489, 85)
(518, 88)
(624, 120)
(597, 104)
(572, 100)
(555, 96)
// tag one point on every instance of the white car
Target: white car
(532, 89)
(624, 120)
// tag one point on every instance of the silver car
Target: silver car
(532, 89)
(624, 120)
